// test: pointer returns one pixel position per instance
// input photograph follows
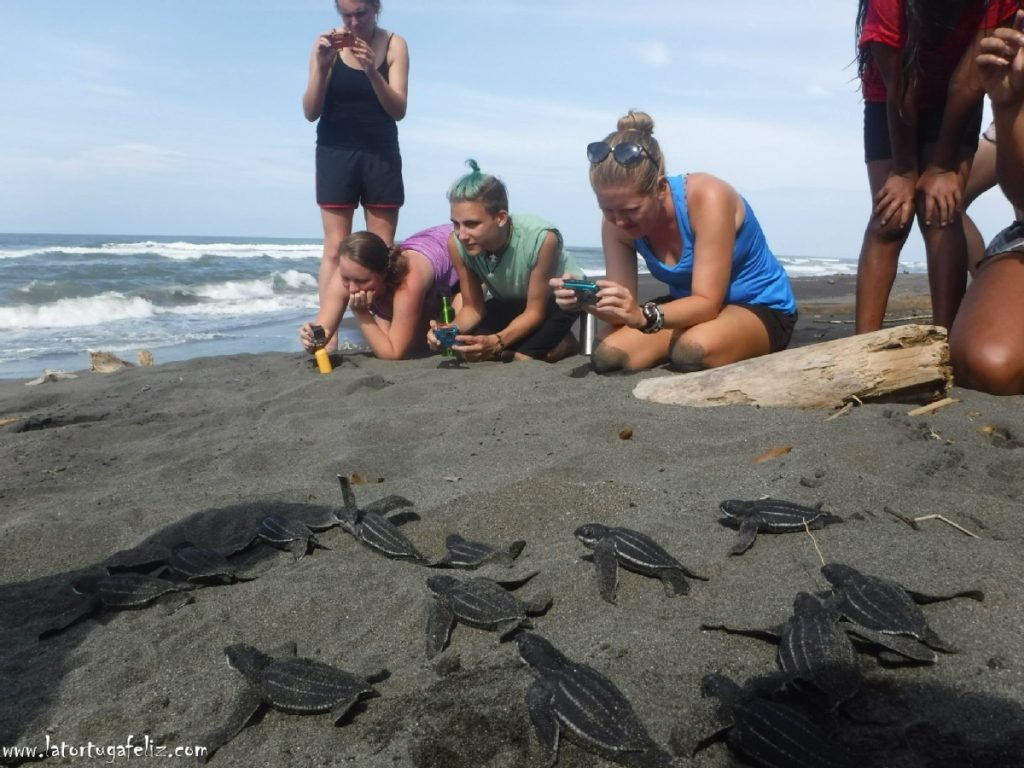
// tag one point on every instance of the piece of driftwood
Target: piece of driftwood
(907, 363)
(924, 410)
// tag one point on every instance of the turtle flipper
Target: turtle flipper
(675, 582)
(770, 634)
(538, 702)
(748, 532)
(932, 640)
(343, 707)
(349, 497)
(607, 569)
(248, 705)
(69, 617)
(511, 584)
(514, 550)
(401, 518)
(174, 602)
(439, 628)
(908, 647)
(539, 604)
(506, 628)
(924, 598)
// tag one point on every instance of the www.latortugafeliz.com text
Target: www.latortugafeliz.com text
(131, 748)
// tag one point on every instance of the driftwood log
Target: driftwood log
(908, 363)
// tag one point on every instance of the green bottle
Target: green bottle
(447, 315)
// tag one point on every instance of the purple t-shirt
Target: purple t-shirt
(432, 243)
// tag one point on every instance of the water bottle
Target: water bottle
(447, 315)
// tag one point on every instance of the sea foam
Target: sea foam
(76, 313)
(178, 251)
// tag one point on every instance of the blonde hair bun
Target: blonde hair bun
(640, 122)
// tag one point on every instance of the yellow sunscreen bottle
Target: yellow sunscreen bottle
(323, 359)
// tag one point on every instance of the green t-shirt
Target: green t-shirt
(507, 275)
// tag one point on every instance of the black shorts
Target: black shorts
(876, 130)
(777, 323)
(346, 178)
(557, 324)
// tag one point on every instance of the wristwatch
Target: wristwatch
(654, 317)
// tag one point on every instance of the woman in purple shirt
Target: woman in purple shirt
(392, 292)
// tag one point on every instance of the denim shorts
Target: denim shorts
(1009, 240)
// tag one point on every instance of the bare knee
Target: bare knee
(889, 232)
(988, 366)
(608, 359)
(688, 355)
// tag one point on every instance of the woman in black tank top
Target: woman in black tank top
(357, 92)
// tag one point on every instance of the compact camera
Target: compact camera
(319, 336)
(586, 290)
(339, 40)
(445, 335)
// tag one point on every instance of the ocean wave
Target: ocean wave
(178, 251)
(77, 312)
(239, 290)
(797, 266)
(281, 292)
(246, 307)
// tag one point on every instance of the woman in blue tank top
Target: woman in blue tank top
(728, 298)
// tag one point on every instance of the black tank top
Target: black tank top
(352, 116)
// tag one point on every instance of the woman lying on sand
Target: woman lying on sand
(729, 298)
(513, 257)
(392, 292)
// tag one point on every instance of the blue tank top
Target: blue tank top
(757, 276)
(352, 117)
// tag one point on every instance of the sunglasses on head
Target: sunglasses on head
(625, 153)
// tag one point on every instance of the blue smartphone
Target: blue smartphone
(586, 290)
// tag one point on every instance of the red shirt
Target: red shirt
(886, 24)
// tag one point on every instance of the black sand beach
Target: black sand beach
(200, 450)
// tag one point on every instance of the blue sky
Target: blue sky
(184, 117)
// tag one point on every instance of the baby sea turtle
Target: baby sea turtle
(199, 564)
(575, 700)
(479, 602)
(296, 685)
(376, 531)
(290, 535)
(472, 554)
(770, 734)
(814, 650)
(770, 516)
(635, 551)
(884, 612)
(116, 591)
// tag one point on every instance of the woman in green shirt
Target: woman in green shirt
(512, 258)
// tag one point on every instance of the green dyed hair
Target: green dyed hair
(481, 188)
